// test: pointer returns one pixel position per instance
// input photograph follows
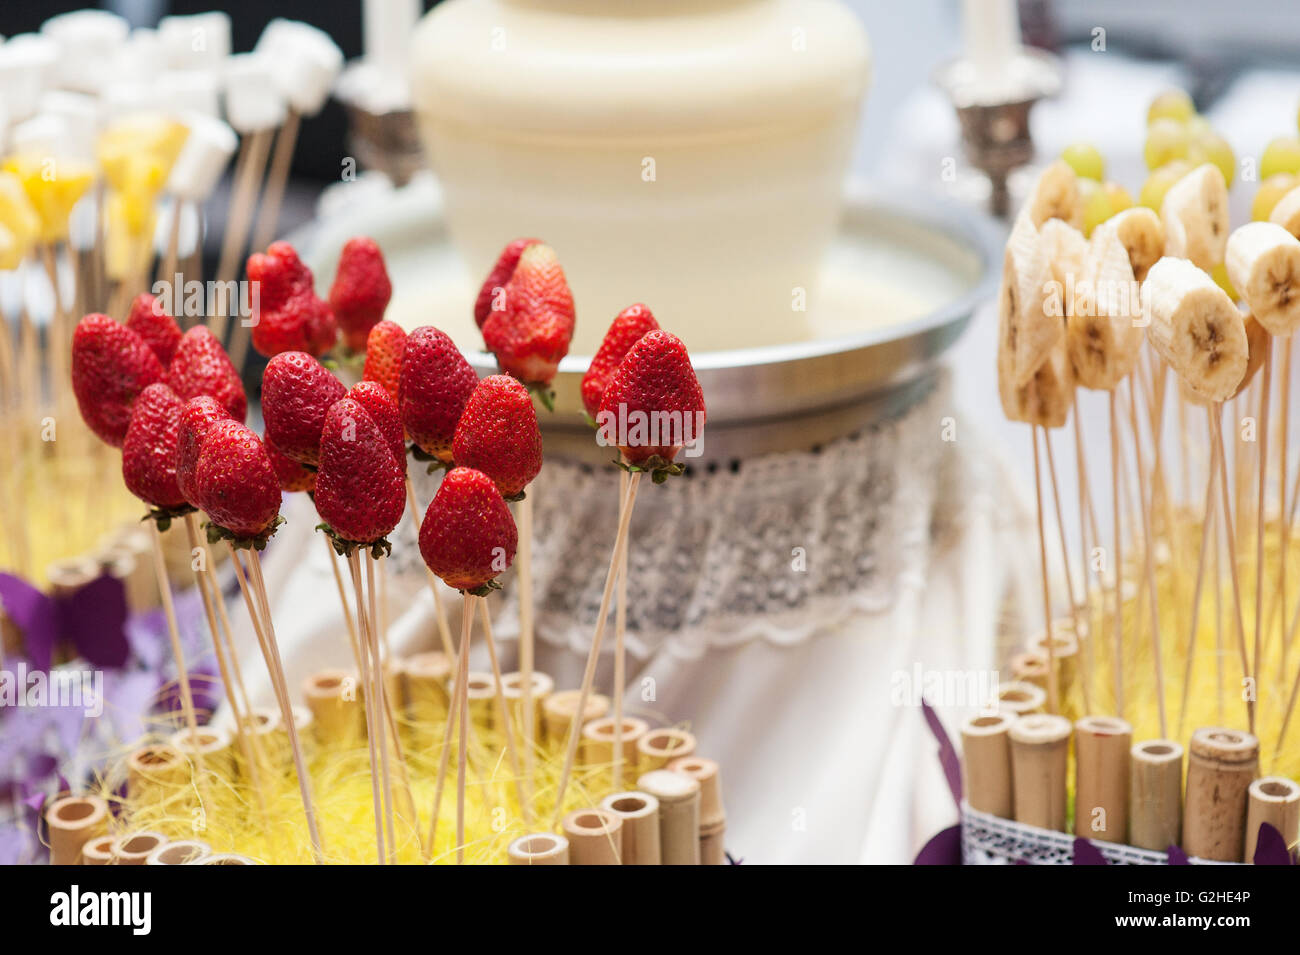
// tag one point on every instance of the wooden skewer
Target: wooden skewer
(201, 578)
(589, 675)
(444, 631)
(253, 589)
(1280, 599)
(1085, 509)
(1115, 465)
(1216, 439)
(173, 634)
(1080, 636)
(504, 706)
(248, 174)
(1053, 696)
(1218, 619)
(526, 659)
(167, 264)
(381, 703)
(373, 729)
(1206, 527)
(459, 689)
(1260, 517)
(1144, 505)
(343, 602)
(620, 650)
(467, 629)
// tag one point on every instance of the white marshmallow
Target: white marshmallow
(252, 100)
(190, 91)
(44, 135)
(386, 30)
(88, 43)
(81, 113)
(202, 159)
(201, 41)
(27, 67)
(129, 97)
(304, 61)
(139, 58)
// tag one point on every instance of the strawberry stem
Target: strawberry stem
(216, 533)
(345, 548)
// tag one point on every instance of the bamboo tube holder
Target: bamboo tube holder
(98, 851)
(1275, 800)
(304, 721)
(539, 848)
(640, 814)
(512, 688)
(713, 817)
(482, 692)
(1221, 764)
(657, 748)
(133, 848)
(427, 699)
(558, 710)
(157, 766)
(679, 815)
(1102, 747)
(1021, 698)
(986, 763)
(595, 837)
(72, 822)
(181, 852)
(332, 697)
(1065, 650)
(1029, 666)
(211, 746)
(1040, 747)
(597, 746)
(1155, 814)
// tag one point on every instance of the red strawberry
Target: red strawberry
(287, 315)
(111, 365)
(201, 367)
(653, 404)
(158, 329)
(197, 416)
(149, 451)
(498, 434)
(532, 334)
(384, 349)
(297, 390)
(468, 536)
(436, 382)
(291, 475)
(360, 491)
(625, 331)
(498, 278)
(383, 411)
(236, 482)
(361, 290)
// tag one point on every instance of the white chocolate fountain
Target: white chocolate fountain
(685, 153)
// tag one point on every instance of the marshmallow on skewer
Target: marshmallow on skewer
(88, 42)
(190, 91)
(201, 41)
(27, 67)
(202, 159)
(252, 100)
(80, 113)
(304, 61)
(139, 59)
(127, 98)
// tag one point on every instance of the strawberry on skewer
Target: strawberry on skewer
(200, 366)
(467, 538)
(297, 391)
(385, 347)
(491, 295)
(435, 383)
(361, 291)
(111, 365)
(359, 495)
(652, 409)
(498, 435)
(287, 314)
(158, 329)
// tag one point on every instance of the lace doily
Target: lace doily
(774, 548)
(990, 840)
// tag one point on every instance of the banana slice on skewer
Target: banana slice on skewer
(1143, 237)
(1287, 212)
(1195, 327)
(1256, 338)
(1028, 327)
(1195, 217)
(1263, 262)
(1104, 332)
(1056, 196)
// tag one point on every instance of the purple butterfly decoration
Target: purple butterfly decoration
(92, 620)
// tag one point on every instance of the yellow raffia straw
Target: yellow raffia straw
(219, 807)
(53, 186)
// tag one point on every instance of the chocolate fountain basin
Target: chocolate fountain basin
(901, 282)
